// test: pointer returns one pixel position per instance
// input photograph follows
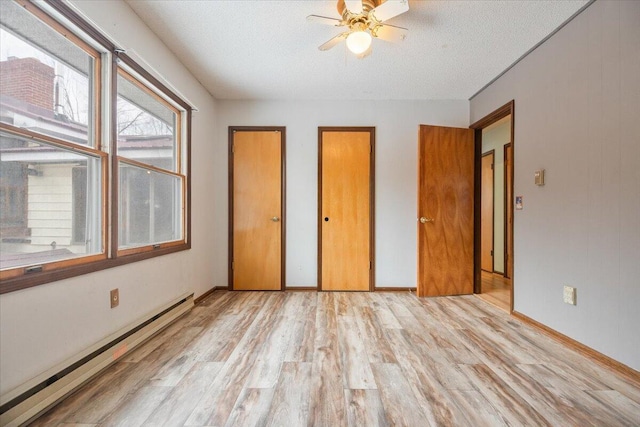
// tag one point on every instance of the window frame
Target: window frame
(63, 19)
(159, 245)
(138, 76)
(44, 269)
(95, 121)
(179, 114)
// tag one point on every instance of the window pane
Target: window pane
(45, 80)
(43, 203)
(146, 127)
(150, 207)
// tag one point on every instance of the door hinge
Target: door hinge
(370, 265)
(233, 147)
(492, 253)
(491, 166)
(233, 264)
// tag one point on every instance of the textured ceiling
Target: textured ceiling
(261, 49)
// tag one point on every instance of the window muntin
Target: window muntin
(148, 128)
(40, 175)
(47, 82)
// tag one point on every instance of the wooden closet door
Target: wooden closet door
(345, 224)
(257, 209)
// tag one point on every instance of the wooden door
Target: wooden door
(445, 211)
(256, 208)
(508, 207)
(345, 209)
(486, 211)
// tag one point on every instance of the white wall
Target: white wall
(577, 104)
(396, 125)
(495, 138)
(42, 326)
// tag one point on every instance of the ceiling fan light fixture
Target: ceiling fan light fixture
(359, 41)
(364, 19)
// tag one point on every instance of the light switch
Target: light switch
(569, 295)
(539, 177)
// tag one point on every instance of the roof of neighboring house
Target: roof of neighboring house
(64, 125)
(9, 103)
(151, 141)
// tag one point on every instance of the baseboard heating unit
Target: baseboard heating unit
(28, 401)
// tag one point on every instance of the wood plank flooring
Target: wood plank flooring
(496, 289)
(350, 359)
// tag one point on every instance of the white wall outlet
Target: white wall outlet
(570, 295)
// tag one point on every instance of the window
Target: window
(48, 111)
(150, 185)
(47, 81)
(48, 213)
(150, 207)
(56, 145)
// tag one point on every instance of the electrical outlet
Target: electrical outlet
(570, 295)
(115, 298)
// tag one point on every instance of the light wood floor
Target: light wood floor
(496, 289)
(359, 359)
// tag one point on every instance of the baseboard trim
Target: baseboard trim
(299, 289)
(208, 293)
(629, 373)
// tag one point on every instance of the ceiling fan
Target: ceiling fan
(364, 19)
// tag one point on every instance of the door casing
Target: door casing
(508, 211)
(371, 131)
(283, 217)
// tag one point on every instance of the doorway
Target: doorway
(488, 207)
(346, 208)
(256, 208)
(494, 220)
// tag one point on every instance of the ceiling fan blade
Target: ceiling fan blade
(354, 6)
(325, 20)
(390, 33)
(389, 9)
(334, 41)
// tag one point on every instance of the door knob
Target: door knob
(424, 220)
(275, 219)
